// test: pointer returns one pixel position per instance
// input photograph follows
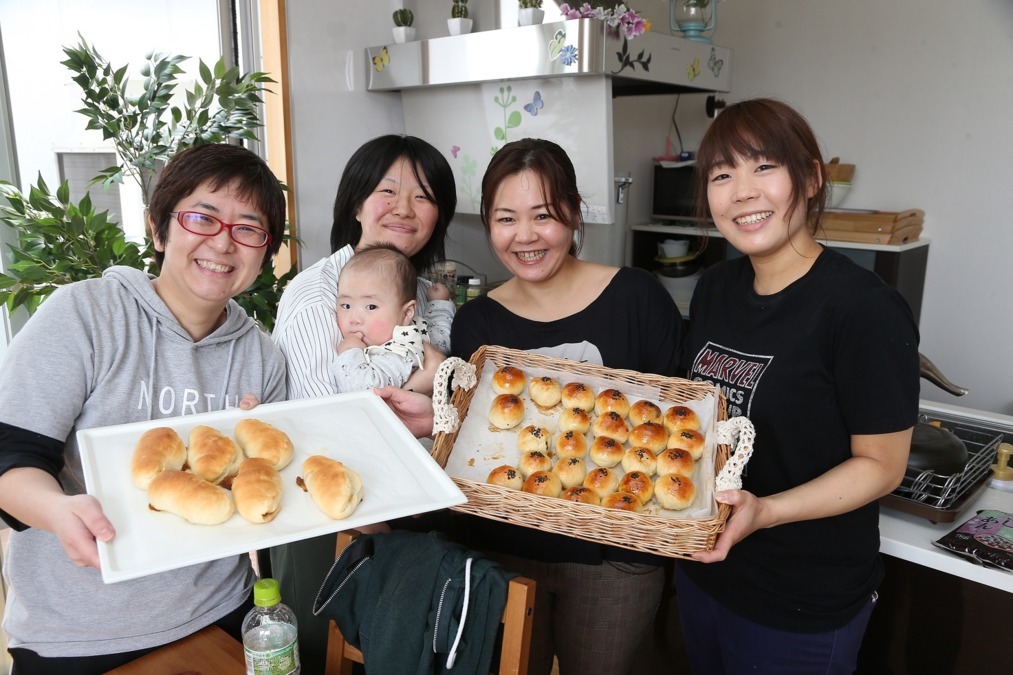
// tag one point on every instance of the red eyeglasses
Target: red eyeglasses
(208, 226)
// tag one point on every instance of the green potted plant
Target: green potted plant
(58, 241)
(459, 23)
(530, 12)
(404, 31)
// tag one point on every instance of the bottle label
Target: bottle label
(284, 661)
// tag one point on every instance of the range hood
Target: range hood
(651, 63)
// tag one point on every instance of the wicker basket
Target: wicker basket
(673, 537)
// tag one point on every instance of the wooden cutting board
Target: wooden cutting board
(872, 221)
(904, 235)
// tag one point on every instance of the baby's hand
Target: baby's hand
(438, 292)
(350, 342)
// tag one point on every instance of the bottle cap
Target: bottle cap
(266, 593)
(475, 281)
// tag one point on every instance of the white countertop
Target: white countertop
(909, 537)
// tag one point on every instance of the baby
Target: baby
(382, 341)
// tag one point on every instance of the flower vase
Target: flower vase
(459, 26)
(404, 34)
(529, 16)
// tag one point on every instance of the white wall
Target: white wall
(917, 93)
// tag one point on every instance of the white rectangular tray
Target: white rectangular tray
(399, 479)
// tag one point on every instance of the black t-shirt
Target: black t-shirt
(633, 324)
(832, 355)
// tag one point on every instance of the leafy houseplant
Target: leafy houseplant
(403, 29)
(531, 4)
(60, 242)
(459, 23)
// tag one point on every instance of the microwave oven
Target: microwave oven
(674, 192)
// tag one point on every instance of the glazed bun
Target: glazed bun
(508, 380)
(606, 451)
(212, 455)
(543, 483)
(577, 395)
(638, 484)
(257, 490)
(674, 492)
(602, 481)
(335, 488)
(545, 392)
(506, 411)
(533, 461)
(675, 461)
(624, 501)
(611, 400)
(680, 417)
(571, 471)
(190, 497)
(260, 439)
(505, 476)
(688, 440)
(581, 494)
(533, 437)
(571, 444)
(574, 419)
(611, 424)
(644, 411)
(157, 450)
(640, 459)
(649, 435)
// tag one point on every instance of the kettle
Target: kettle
(932, 447)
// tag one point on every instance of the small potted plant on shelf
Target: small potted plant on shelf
(404, 31)
(530, 12)
(459, 23)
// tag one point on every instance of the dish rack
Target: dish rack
(940, 498)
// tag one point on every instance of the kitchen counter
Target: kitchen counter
(910, 538)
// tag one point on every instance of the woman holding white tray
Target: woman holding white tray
(827, 357)
(594, 603)
(129, 347)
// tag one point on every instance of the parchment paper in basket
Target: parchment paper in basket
(478, 449)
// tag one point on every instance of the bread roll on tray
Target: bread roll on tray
(577, 395)
(533, 437)
(611, 400)
(624, 501)
(644, 411)
(680, 417)
(532, 461)
(574, 419)
(212, 455)
(606, 451)
(649, 435)
(581, 494)
(157, 450)
(190, 497)
(675, 460)
(508, 380)
(506, 411)
(256, 490)
(638, 484)
(571, 471)
(335, 488)
(260, 439)
(611, 424)
(674, 492)
(601, 481)
(506, 476)
(640, 459)
(571, 444)
(543, 483)
(545, 392)
(689, 440)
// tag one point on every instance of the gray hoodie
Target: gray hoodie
(108, 351)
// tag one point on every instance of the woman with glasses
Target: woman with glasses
(396, 190)
(129, 347)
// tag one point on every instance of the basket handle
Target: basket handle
(739, 432)
(445, 417)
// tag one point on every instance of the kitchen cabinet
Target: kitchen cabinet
(900, 265)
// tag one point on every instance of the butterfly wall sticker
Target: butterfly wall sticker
(556, 44)
(454, 149)
(535, 105)
(693, 69)
(714, 63)
(381, 60)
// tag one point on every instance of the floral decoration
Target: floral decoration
(620, 18)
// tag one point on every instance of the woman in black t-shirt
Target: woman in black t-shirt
(822, 357)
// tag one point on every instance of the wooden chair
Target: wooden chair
(210, 650)
(518, 616)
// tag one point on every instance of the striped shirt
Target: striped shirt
(306, 329)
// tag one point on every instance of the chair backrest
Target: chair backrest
(518, 616)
